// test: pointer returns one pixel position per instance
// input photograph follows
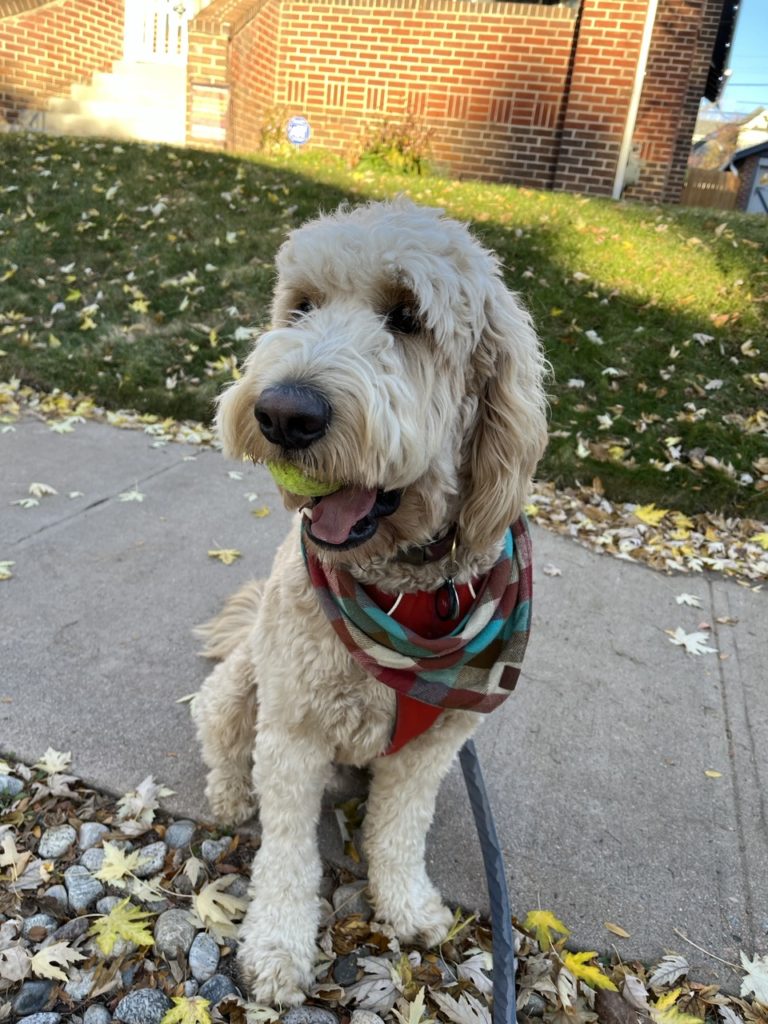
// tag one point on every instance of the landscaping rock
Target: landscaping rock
(345, 969)
(97, 1014)
(365, 1017)
(33, 996)
(151, 860)
(93, 859)
(91, 833)
(212, 849)
(42, 1018)
(45, 921)
(10, 786)
(82, 888)
(56, 899)
(56, 841)
(107, 903)
(143, 1006)
(203, 957)
(217, 988)
(174, 932)
(79, 985)
(351, 899)
(180, 833)
(309, 1015)
(71, 930)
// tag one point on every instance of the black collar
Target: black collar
(431, 552)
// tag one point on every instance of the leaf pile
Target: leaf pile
(360, 965)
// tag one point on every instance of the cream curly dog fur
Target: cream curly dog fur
(417, 375)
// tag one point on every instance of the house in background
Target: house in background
(750, 165)
(594, 96)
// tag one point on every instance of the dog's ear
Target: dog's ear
(509, 432)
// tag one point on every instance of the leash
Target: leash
(496, 881)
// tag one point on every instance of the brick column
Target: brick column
(604, 64)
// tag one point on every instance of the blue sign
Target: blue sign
(298, 131)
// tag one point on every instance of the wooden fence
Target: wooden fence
(718, 189)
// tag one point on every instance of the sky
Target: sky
(748, 60)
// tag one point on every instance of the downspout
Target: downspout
(634, 100)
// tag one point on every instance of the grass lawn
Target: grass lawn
(137, 275)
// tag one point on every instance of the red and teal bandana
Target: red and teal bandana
(474, 667)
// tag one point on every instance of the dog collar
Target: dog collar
(431, 552)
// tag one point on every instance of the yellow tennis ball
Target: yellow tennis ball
(293, 480)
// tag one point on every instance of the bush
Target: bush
(401, 146)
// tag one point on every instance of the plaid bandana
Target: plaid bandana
(475, 667)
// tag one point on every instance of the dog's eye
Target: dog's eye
(404, 319)
(302, 308)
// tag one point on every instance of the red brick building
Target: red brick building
(556, 96)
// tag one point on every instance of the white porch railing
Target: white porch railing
(156, 30)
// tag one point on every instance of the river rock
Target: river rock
(351, 899)
(10, 786)
(309, 1015)
(91, 833)
(97, 1014)
(217, 988)
(55, 900)
(345, 969)
(174, 932)
(79, 985)
(56, 841)
(203, 957)
(180, 833)
(42, 1018)
(93, 858)
(45, 921)
(143, 1006)
(82, 888)
(212, 849)
(33, 996)
(151, 860)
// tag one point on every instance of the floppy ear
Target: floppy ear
(509, 433)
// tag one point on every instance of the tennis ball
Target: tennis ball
(293, 480)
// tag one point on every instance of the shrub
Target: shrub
(401, 146)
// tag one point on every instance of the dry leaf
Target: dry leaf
(225, 555)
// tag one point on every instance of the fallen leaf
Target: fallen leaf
(690, 599)
(54, 761)
(124, 921)
(41, 490)
(577, 964)
(756, 981)
(664, 1010)
(225, 555)
(669, 970)
(188, 1010)
(617, 930)
(134, 495)
(650, 514)
(551, 570)
(712, 774)
(542, 923)
(694, 643)
(47, 962)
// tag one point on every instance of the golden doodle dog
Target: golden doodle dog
(398, 399)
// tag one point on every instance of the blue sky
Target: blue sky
(748, 59)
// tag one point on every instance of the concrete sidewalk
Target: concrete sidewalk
(596, 766)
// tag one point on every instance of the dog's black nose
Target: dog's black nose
(292, 415)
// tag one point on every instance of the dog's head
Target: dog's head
(400, 366)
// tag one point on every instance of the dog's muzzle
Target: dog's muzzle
(292, 416)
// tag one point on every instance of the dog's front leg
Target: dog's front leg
(401, 805)
(278, 934)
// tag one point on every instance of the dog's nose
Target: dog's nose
(292, 415)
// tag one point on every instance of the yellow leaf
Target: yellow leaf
(542, 923)
(74, 295)
(260, 513)
(593, 976)
(124, 921)
(213, 337)
(650, 514)
(225, 555)
(188, 1011)
(712, 774)
(682, 521)
(53, 341)
(116, 864)
(761, 539)
(617, 930)
(531, 510)
(5, 570)
(664, 1010)
(217, 909)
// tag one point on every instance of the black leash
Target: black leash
(496, 881)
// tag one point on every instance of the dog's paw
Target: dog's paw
(427, 922)
(272, 977)
(230, 797)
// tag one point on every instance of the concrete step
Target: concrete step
(111, 109)
(145, 129)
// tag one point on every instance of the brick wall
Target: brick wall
(46, 47)
(521, 92)
(678, 62)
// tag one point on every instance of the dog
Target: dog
(399, 366)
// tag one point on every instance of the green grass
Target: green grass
(131, 274)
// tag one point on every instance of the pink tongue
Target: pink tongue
(334, 516)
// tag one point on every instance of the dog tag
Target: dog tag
(447, 602)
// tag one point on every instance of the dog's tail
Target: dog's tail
(234, 622)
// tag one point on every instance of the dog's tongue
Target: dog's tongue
(334, 516)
